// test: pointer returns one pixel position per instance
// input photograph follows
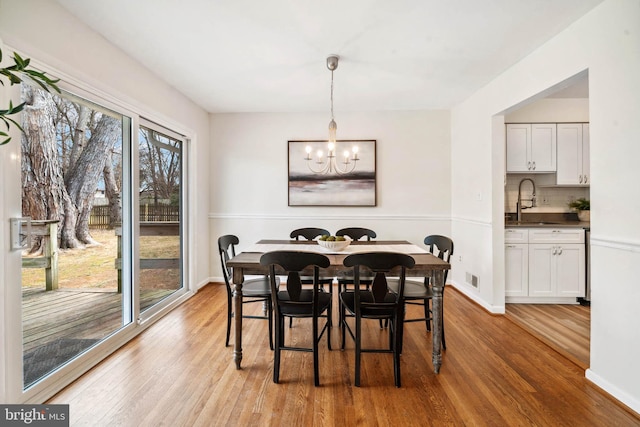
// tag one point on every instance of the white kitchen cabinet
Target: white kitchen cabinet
(556, 235)
(573, 154)
(517, 269)
(556, 270)
(531, 147)
(544, 264)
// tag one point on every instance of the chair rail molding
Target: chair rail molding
(473, 221)
(284, 217)
(614, 243)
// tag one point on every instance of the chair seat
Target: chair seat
(257, 287)
(306, 295)
(348, 299)
(413, 289)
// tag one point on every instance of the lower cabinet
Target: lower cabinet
(516, 259)
(556, 270)
(544, 264)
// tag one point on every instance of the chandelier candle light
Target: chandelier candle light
(330, 165)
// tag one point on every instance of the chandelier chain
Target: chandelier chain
(332, 95)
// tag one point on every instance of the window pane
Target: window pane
(72, 178)
(160, 210)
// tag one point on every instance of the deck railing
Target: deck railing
(48, 231)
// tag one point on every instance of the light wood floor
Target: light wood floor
(178, 373)
(566, 328)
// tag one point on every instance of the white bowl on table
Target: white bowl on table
(334, 245)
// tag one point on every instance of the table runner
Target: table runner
(351, 249)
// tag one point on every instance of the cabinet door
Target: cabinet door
(542, 270)
(517, 270)
(570, 154)
(518, 147)
(543, 147)
(570, 271)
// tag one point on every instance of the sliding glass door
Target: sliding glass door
(72, 166)
(160, 195)
(100, 234)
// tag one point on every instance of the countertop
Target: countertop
(547, 224)
(545, 220)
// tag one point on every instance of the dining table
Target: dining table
(247, 262)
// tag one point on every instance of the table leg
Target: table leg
(237, 318)
(437, 280)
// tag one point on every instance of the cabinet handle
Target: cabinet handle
(529, 165)
(555, 250)
(580, 179)
(559, 250)
(585, 179)
(534, 165)
(511, 246)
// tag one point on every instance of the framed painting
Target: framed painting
(338, 174)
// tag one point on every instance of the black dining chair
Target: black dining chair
(420, 292)
(308, 233)
(311, 233)
(354, 233)
(298, 302)
(346, 278)
(253, 290)
(376, 303)
(357, 233)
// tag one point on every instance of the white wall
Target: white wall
(551, 110)
(249, 175)
(606, 41)
(47, 33)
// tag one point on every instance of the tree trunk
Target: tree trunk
(112, 192)
(78, 137)
(82, 180)
(44, 196)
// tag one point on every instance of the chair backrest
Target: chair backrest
(308, 233)
(381, 264)
(440, 246)
(227, 250)
(292, 263)
(356, 233)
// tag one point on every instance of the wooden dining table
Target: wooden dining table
(247, 262)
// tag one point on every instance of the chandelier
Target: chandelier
(330, 164)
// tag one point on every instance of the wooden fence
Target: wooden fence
(100, 216)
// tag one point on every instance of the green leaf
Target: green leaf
(18, 60)
(4, 141)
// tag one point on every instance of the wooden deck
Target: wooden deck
(74, 314)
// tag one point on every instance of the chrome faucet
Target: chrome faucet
(519, 206)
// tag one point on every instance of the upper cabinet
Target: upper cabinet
(573, 154)
(531, 147)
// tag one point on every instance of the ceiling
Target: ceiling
(270, 55)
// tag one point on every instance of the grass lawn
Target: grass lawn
(93, 267)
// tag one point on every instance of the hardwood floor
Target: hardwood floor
(178, 373)
(566, 328)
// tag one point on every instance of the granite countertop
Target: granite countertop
(545, 220)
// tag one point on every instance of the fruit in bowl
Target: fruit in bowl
(333, 243)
